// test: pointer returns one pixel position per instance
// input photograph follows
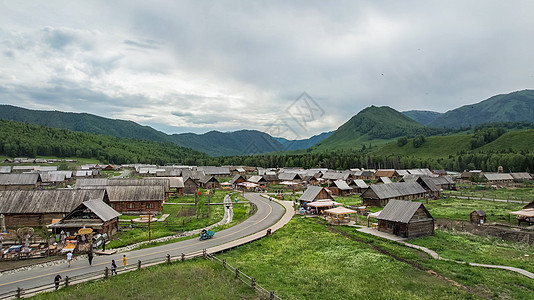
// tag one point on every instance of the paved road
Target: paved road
(268, 214)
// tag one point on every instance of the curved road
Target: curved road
(268, 214)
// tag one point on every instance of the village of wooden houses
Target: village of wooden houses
(46, 213)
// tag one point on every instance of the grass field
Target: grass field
(525, 194)
(195, 279)
(459, 209)
(308, 259)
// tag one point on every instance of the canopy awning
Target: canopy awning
(327, 203)
(288, 183)
(340, 210)
(374, 215)
(529, 212)
(248, 184)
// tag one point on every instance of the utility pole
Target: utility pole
(149, 219)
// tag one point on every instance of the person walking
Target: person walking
(124, 260)
(90, 257)
(113, 267)
(57, 280)
(69, 257)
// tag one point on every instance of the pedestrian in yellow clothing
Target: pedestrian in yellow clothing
(124, 260)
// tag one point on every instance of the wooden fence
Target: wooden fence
(168, 259)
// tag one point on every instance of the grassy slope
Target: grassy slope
(433, 147)
(521, 140)
(197, 279)
(304, 260)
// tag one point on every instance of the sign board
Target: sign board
(85, 230)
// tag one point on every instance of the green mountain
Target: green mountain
(377, 125)
(424, 117)
(513, 107)
(304, 143)
(214, 143)
(23, 139)
(242, 142)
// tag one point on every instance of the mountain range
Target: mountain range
(371, 126)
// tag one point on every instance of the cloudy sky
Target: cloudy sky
(196, 66)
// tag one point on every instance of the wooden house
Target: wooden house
(478, 217)
(314, 193)
(380, 194)
(444, 182)
(190, 186)
(383, 180)
(25, 181)
(236, 180)
(215, 171)
(520, 177)
(176, 185)
(95, 214)
(389, 173)
(340, 188)
(432, 190)
(136, 199)
(294, 177)
(498, 178)
(5, 169)
(406, 219)
(258, 179)
(39, 207)
(271, 178)
(358, 186)
(209, 182)
(53, 179)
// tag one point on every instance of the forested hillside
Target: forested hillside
(22, 139)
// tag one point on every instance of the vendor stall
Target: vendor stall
(339, 215)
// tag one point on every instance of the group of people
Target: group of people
(58, 278)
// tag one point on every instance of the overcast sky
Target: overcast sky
(196, 66)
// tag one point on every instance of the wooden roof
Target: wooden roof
(100, 182)
(342, 185)
(311, 193)
(19, 179)
(46, 201)
(401, 211)
(135, 193)
(396, 189)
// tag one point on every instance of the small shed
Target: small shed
(478, 217)
(209, 182)
(406, 219)
(314, 193)
(190, 186)
(340, 188)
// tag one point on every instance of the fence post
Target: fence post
(168, 258)
(271, 295)
(19, 293)
(204, 254)
(106, 272)
(183, 257)
(224, 263)
(66, 281)
(236, 273)
(253, 282)
(138, 264)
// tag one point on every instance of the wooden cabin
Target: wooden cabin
(209, 182)
(498, 178)
(94, 214)
(39, 207)
(314, 193)
(190, 186)
(236, 180)
(26, 181)
(380, 194)
(478, 217)
(136, 199)
(358, 186)
(258, 179)
(340, 188)
(406, 219)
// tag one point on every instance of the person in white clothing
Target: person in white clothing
(69, 257)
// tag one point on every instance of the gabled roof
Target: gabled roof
(208, 178)
(385, 180)
(332, 175)
(311, 193)
(401, 211)
(385, 173)
(342, 185)
(521, 176)
(429, 182)
(212, 170)
(100, 182)
(256, 179)
(360, 183)
(5, 169)
(397, 189)
(289, 176)
(19, 179)
(46, 201)
(135, 193)
(236, 177)
(101, 209)
(498, 176)
(52, 177)
(480, 212)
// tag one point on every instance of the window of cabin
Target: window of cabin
(131, 205)
(150, 205)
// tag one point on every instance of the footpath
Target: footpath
(435, 255)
